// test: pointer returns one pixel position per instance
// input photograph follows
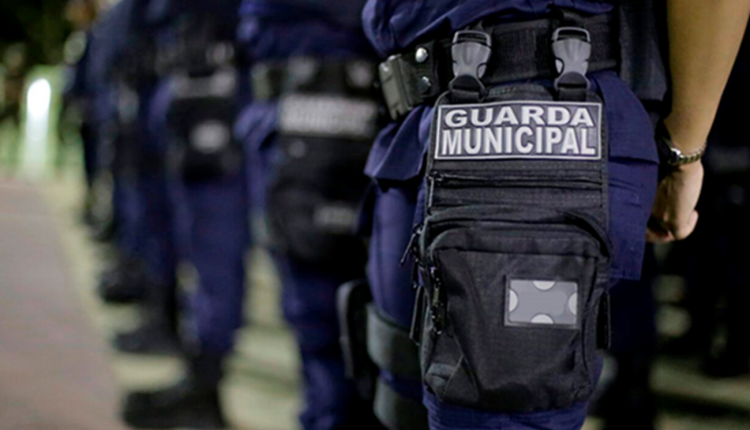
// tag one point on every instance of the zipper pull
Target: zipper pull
(437, 307)
(411, 247)
(417, 317)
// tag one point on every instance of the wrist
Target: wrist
(688, 169)
(684, 135)
(674, 153)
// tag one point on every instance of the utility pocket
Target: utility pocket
(318, 183)
(514, 252)
(200, 115)
(512, 314)
(314, 198)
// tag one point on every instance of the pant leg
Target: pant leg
(128, 211)
(393, 218)
(160, 253)
(218, 238)
(309, 303)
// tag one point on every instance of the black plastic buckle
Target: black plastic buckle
(471, 50)
(571, 47)
(393, 85)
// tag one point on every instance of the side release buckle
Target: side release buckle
(571, 47)
(471, 50)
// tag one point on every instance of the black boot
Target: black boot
(726, 365)
(158, 335)
(123, 283)
(154, 337)
(192, 403)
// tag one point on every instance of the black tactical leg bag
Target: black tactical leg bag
(513, 253)
(326, 127)
(201, 116)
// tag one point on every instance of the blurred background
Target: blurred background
(681, 349)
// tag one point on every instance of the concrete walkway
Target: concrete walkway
(54, 371)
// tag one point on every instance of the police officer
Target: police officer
(123, 280)
(309, 127)
(497, 350)
(77, 93)
(194, 110)
(714, 268)
(142, 158)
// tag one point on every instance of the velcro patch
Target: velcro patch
(522, 129)
(533, 302)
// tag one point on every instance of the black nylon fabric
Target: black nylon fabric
(203, 158)
(315, 174)
(489, 223)
(643, 48)
(318, 184)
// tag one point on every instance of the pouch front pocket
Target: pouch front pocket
(519, 299)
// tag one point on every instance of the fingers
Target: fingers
(684, 229)
(662, 232)
(656, 233)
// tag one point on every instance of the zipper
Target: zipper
(572, 222)
(514, 179)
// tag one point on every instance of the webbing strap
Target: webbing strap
(353, 77)
(520, 50)
(390, 347)
(398, 412)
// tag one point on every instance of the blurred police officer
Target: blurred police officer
(509, 312)
(144, 156)
(78, 93)
(309, 126)
(193, 110)
(123, 279)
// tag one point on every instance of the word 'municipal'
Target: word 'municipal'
(545, 130)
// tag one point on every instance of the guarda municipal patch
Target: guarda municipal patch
(524, 129)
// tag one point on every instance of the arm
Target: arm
(704, 38)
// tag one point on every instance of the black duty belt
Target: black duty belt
(312, 75)
(520, 51)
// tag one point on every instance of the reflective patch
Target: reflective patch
(336, 218)
(532, 302)
(328, 116)
(524, 129)
(210, 137)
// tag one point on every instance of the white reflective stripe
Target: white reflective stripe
(328, 116)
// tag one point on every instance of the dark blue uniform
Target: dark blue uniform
(396, 162)
(107, 45)
(212, 213)
(277, 30)
(78, 88)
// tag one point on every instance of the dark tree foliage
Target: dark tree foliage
(38, 24)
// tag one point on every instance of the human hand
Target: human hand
(674, 216)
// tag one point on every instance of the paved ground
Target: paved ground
(56, 372)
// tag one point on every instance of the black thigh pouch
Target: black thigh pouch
(201, 115)
(318, 182)
(514, 251)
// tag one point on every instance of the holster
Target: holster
(371, 343)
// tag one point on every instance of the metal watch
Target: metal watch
(671, 155)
